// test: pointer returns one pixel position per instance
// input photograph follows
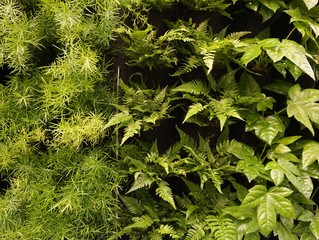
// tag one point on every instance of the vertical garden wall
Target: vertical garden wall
(159, 119)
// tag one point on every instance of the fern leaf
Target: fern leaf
(222, 228)
(186, 67)
(141, 180)
(186, 140)
(209, 58)
(237, 35)
(119, 118)
(132, 128)
(228, 82)
(196, 87)
(141, 222)
(165, 192)
(193, 110)
(167, 229)
(132, 204)
(202, 27)
(159, 98)
(195, 233)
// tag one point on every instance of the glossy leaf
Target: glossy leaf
(248, 85)
(268, 202)
(310, 153)
(310, 3)
(267, 129)
(298, 55)
(302, 105)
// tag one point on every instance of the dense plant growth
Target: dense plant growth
(166, 119)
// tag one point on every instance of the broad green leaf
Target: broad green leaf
(269, 43)
(298, 55)
(165, 192)
(267, 202)
(287, 140)
(241, 190)
(284, 233)
(310, 3)
(266, 216)
(247, 85)
(310, 153)
(273, 5)
(255, 196)
(239, 212)
(240, 150)
(252, 236)
(290, 170)
(279, 86)
(302, 105)
(267, 129)
(250, 54)
(193, 110)
(296, 16)
(314, 225)
(276, 53)
(307, 236)
(282, 205)
(307, 184)
(277, 175)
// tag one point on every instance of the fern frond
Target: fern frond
(190, 64)
(159, 98)
(228, 83)
(237, 35)
(144, 221)
(132, 204)
(202, 27)
(194, 109)
(167, 229)
(165, 192)
(132, 128)
(119, 118)
(141, 180)
(222, 228)
(195, 233)
(196, 87)
(209, 58)
(186, 140)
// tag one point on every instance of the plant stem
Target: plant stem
(290, 32)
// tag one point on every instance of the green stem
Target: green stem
(282, 110)
(291, 32)
(263, 151)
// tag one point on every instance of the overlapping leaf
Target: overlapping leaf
(267, 203)
(302, 105)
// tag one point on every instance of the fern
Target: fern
(132, 128)
(194, 109)
(141, 180)
(167, 229)
(222, 228)
(132, 204)
(196, 87)
(165, 192)
(196, 232)
(190, 64)
(144, 221)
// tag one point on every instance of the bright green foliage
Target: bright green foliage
(205, 137)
